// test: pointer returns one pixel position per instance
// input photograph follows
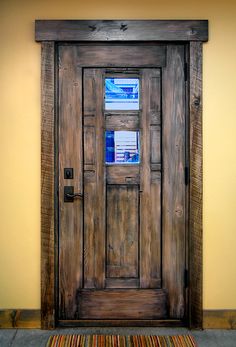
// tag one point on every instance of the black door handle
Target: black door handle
(75, 195)
(69, 194)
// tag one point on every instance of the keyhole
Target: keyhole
(68, 173)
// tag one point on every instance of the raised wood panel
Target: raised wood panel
(89, 144)
(150, 197)
(122, 122)
(122, 56)
(122, 283)
(142, 304)
(122, 231)
(155, 225)
(124, 174)
(121, 30)
(155, 167)
(70, 155)
(155, 138)
(89, 120)
(195, 214)
(89, 101)
(173, 213)
(89, 229)
(47, 186)
(155, 97)
(90, 168)
(94, 187)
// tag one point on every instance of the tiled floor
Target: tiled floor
(38, 338)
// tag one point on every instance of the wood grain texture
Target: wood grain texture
(70, 155)
(47, 200)
(219, 319)
(122, 323)
(122, 283)
(94, 185)
(47, 186)
(122, 122)
(123, 304)
(122, 231)
(173, 215)
(123, 175)
(150, 184)
(31, 319)
(122, 56)
(23, 319)
(195, 213)
(121, 30)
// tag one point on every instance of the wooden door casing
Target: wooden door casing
(49, 33)
(160, 285)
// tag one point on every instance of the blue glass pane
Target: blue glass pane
(121, 94)
(122, 147)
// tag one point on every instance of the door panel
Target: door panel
(122, 304)
(122, 241)
(121, 55)
(122, 231)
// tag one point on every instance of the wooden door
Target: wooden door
(122, 237)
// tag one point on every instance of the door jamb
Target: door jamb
(49, 33)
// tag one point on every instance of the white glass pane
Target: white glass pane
(121, 94)
(122, 147)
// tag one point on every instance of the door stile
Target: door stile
(150, 185)
(94, 178)
(70, 156)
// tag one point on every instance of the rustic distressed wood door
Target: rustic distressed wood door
(122, 193)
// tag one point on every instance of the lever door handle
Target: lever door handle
(69, 194)
(75, 195)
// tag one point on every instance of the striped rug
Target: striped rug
(120, 341)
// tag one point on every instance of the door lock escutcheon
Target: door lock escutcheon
(69, 194)
(68, 173)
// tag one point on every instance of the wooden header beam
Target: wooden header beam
(121, 30)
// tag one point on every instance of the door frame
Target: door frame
(49, 33)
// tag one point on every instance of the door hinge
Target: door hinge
(186, 175)
(185, 71)
(186, 279)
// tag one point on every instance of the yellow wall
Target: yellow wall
(20, 137)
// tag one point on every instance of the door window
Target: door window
(122, 147)
(121, 94)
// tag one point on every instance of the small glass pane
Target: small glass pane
(121, 94)
(122, 147)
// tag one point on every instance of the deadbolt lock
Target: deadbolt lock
(68, 173)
